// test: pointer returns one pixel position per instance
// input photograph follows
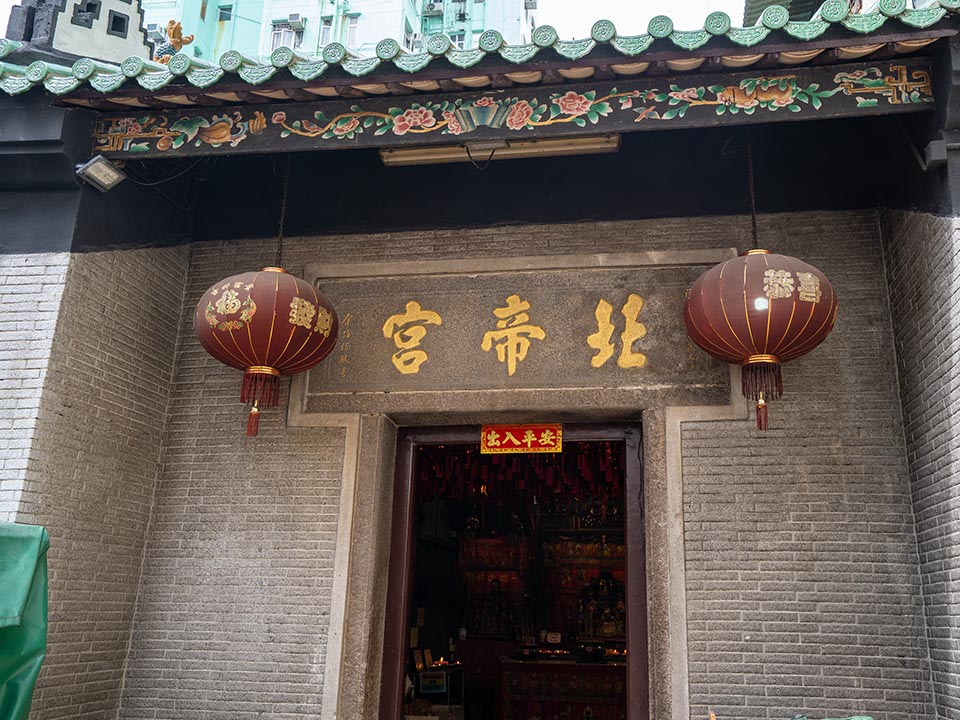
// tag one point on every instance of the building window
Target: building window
(118, 24)
(226, 13)
(458, 40)
(85, 12)
(325, 31)
(352, 26)
(285, 36)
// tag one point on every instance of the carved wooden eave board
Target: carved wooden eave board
(719, 74)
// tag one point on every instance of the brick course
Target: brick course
(923, 270)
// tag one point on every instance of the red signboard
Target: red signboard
(539, 438)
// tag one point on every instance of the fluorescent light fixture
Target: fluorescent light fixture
(101, 173)
(484, 150)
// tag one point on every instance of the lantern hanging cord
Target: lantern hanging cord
(283, 211)
(753, 193)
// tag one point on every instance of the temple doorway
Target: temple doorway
(517, 586)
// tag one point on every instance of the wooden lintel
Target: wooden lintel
(299, 95)
(499, 80)
(552, 77)
(619, 105)
(346, 91)
(450, 86)
(398, 89)
(204, 100)
(603, 72)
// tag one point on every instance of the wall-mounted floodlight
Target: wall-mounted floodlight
(101, 173)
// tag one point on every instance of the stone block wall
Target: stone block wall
(923, 271)
(803, 590)
(93, 464)
(30, 290)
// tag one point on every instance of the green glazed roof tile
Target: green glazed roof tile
(748, 37)
(257, 74)
(690, 40)
(105, 78)
(8, 46)
(924, 17)
(806, 30)
(414, 62)
(61, 84)
(358, 67)
(574, 49)
(307, 71)
(205, 77)
(865, 24)
(107, 83)
(154, 80)
(466, 58)
(519, 53)
(631, 44)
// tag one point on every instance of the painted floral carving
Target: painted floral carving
(520, 115)
(413, 118)
(573, 103)
(868, 86)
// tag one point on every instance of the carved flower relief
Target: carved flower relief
(573, 104)
(453, 125)
(279, 118)
(485, 101)
(413, 118)
(347, 127)
(520, 115)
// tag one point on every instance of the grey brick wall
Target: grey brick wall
(93, 465)
(233, 612)
(923, 270)
(803, 590)
(30, 290)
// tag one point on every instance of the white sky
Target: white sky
(573, 21)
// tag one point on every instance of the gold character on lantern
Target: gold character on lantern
(324, 322)
(302, 312)
(777, 284)
(513, 333)
(809, 287)
(228, 303)
(633, 330)
(407, 330)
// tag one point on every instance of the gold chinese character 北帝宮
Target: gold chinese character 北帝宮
(777, 284)
(633, 330)
(809, 287)
(407, 330)
(513, 333)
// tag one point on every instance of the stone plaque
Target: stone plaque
(435, 328)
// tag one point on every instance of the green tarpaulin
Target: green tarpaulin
(23, 615)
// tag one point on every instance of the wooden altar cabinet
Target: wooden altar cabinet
(558, 689)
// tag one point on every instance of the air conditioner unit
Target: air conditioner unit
(155, 33)
(296, 21)
(461, 17)
(433, 8)
(529, 4)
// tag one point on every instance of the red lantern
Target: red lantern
(268, 324)
(759, 310)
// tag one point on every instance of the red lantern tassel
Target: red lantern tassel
(761, 413)
(253, 421)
